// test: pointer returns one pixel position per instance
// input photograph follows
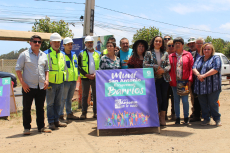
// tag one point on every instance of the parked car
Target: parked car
(225, 70)
(6, 74)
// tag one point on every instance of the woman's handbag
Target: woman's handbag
(182, 85)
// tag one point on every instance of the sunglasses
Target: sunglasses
(170, 45)
(167, 38)
(39, 42)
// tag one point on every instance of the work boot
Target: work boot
(62, 119)
(52, 126)
(59, 124)
(162, 118)
(177, 121)
(94, 115)
(186, 120)
(72, 117)
(83, 115)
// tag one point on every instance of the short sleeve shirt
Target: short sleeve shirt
(124, 57)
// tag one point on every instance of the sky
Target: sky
(121, 18)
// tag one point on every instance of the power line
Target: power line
(59, 1)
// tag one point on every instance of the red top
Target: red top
(187, 67)
(135, 62)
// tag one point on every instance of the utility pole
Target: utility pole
(89, 18)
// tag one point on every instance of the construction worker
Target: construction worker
(88, 63)
(54, 92)
(70, 82)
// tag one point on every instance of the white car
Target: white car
(225, 69)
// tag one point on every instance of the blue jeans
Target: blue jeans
(208, 103)
(177, 103)
(69, 88)
(53, 99)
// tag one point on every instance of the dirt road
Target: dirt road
(80, 136)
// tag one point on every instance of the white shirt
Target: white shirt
(158, 56)
(91, 63)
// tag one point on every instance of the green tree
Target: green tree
(146, 34)
(48, 26)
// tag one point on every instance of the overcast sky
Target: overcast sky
(197, 18)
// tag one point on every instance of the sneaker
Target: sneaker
(83, 116)
(177, 121)
(72, 117)
(218, 123)
(205, 122)
(52, 126)
(59, 124)
(186, 120)
(94, 115)
(26, 132)
(44, 130)
(61, 118)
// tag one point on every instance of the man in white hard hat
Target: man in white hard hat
(71, 78)
(54, 92)
(88, 63)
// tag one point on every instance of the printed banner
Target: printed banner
(5, 88)
(126, 98)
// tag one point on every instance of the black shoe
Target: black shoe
(177, 121)
(195, 119)
(83, 115)
(94, 115)
(186, 121)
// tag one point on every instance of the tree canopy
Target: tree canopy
(146, 34)
(48, 26)
(12, 54)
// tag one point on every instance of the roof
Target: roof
(14, 35)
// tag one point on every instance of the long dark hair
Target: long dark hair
(152, 44)
(135, 55)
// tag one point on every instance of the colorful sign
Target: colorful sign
(126, 98)
(5, 88)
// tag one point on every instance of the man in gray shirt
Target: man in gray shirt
(34, 80)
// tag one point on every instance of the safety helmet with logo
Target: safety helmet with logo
(88, 38)
(55, 37)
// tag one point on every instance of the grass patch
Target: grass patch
(75, 106)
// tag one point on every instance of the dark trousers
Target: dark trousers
(196, 106)
(85, 92)
(39, 96)
(161, 91)
(170, 95)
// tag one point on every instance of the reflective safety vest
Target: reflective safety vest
(85, 59)
(56, 65)
(71, 69)
(105, 51)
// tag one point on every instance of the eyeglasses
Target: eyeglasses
(167, 38)
(39, 42)
(109, 46)
(170, 45)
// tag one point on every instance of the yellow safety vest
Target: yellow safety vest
(56, 65)
(71, 69)
(85, 59)
(105, 51)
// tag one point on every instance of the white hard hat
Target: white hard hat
(55, 37)
(88, 38)
(67, 40)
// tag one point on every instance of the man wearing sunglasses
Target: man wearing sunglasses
(35, 80)
(166, 39)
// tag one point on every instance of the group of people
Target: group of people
(52, 75)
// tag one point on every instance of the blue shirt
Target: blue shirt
(211, 83)
(33, 67)
(124, 57)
